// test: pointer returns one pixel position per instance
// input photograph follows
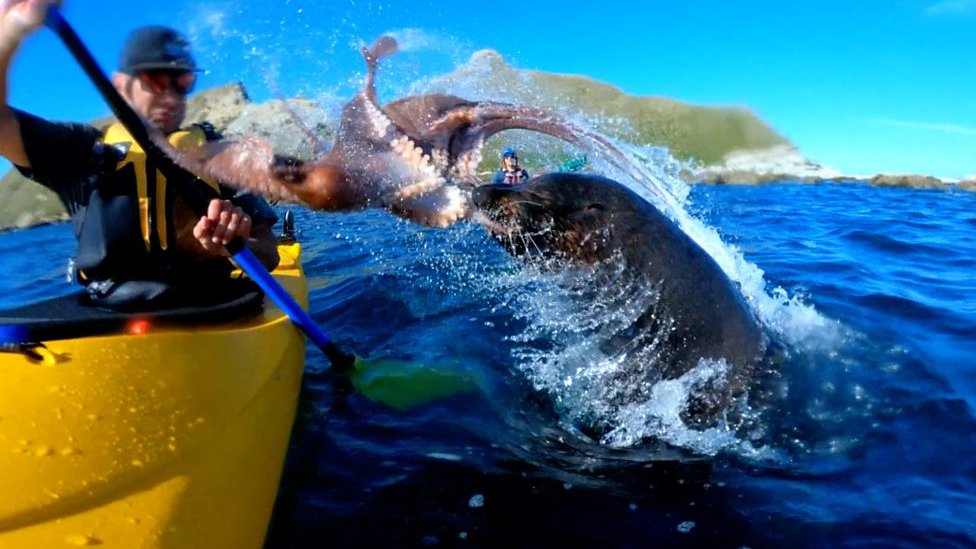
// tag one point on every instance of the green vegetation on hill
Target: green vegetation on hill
(705, 134)
(702, 134)
(25, 203)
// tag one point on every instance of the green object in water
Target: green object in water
(404, 385)
(573, 164)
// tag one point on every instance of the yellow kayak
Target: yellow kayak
(164, 435)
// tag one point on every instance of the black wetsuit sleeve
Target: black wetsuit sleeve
(63, 156)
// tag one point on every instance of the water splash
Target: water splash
(301, 49)
(559, 350)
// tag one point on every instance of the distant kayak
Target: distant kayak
(154, 431)
(573, 165)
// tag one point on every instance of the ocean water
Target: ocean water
(861, 436)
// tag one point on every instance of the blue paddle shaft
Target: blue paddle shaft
(250, 264)
(14, 333)
(243, 256)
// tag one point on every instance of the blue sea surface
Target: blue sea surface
(863, 435)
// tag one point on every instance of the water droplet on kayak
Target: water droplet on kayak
(81, 540)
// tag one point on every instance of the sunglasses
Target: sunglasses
(162, 81)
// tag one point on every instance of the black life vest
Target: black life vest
(125, 229)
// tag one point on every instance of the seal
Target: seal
(415, 156)
(688, 309)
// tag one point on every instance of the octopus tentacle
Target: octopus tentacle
(383, 47)
(382, 127)
(247, 164)
(426, 177)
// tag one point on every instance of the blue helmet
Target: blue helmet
(508, 151)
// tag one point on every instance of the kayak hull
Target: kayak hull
(169, 437)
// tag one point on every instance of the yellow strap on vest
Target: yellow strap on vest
(183, 139)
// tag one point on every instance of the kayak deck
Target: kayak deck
(70, 317)
(169, 436)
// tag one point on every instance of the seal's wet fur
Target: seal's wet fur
(566, 220)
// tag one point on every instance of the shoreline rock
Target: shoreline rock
(755, 166)
(908, 181)
(785, 163)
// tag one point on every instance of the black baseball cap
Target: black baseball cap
(156, 48)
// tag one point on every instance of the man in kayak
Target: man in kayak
(510, 172)
(140, 246)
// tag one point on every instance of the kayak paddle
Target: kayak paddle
(244, 258)
(399, 385)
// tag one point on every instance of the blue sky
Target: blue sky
(863, 86)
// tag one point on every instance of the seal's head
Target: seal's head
(559, 215)
(674, 306)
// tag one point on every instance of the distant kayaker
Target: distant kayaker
(139, 244)
(510, 172)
